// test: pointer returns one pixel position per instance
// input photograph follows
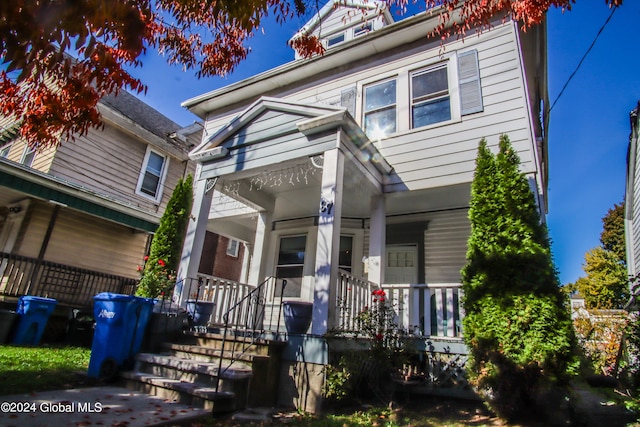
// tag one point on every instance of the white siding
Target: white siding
(446, 246)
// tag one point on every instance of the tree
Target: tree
(516, 324)
(158, 273)
(62, 57)
(606, 285)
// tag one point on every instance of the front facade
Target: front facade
(76, 219)
(632, 208)
(353, 169)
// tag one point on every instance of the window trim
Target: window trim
(429, 98)
(403, 91)
(143, 171)
(383, 108)
(26, 152)
(7, 146)
(233, 248)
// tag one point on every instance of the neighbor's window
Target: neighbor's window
(233, 248)
(380, 109)
(4, 150)
(291, 264)
(430, 101)
(27, 156)
(152, 174)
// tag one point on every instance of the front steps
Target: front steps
(187, 371)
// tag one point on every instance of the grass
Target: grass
(31, 369)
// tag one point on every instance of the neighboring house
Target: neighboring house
(632, 207)
(77, 219)
(354, 168)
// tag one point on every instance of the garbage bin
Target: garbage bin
(119, 331)
(143, 308)
(7, 318)
(33, 315)
(115, 322)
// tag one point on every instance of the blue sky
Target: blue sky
(589, 127)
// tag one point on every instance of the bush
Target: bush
(517, 325)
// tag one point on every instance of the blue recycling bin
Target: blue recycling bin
(112, 339)
(143, 309)
(33, 315)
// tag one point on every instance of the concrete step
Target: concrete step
(236, 343)
(180, 391)
(178, 367)
(208, 354)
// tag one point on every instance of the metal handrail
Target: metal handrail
(255, 300)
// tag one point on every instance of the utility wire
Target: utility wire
(613, 9)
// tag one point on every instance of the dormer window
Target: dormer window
(332, 41)
(362, 29)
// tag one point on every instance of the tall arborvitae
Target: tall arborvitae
(516, 325)
(158, 274)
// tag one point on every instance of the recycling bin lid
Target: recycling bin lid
(37, 299)
(109, 296)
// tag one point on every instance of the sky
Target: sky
(589, 123)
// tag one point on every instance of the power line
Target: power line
(613, 9)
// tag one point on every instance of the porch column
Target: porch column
(257, 267)
(194, 240)
(327, 249)
(377, 239)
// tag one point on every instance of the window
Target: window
(331, 41)
(152, 175)
(291, 264)
(430, 97)
(233, 248)
(380, 109)
(361, 30)
(345, 257)
(27, 156)
(4, 150)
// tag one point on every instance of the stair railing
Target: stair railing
(250, 311)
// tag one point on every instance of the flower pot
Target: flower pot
(297, 316)
(200, 311)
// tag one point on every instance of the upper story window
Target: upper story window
(380, 109)
(331, 41)
(28, 155)
(152, 175)
(430, 101)
(430, 94)
(4, 150)
(362, 29)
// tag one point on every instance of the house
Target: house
(77, 219)
(352, 170)
(632, 208)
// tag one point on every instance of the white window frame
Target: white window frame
(5, 149)
(403, 93)
(431, 97)
(143, 171)
(28, 151)
(233, 248)
(386, 107)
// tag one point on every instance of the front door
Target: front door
(402, 265)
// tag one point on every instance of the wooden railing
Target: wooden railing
(421, 310)
(70, 286)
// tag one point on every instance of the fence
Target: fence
(70, 286)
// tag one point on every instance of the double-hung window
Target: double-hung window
(291, 264)
(430, 102)
(28, 155)
(380, 109)
(152, 175)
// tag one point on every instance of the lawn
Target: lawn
(30, 369)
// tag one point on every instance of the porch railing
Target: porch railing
(70, 286)
(420, 309)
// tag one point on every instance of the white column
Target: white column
(377, 239)
(257, 267)
(194, 240)
(246, 262)
(328, 245)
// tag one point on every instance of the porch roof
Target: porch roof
(309, 120)
(43, 186)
